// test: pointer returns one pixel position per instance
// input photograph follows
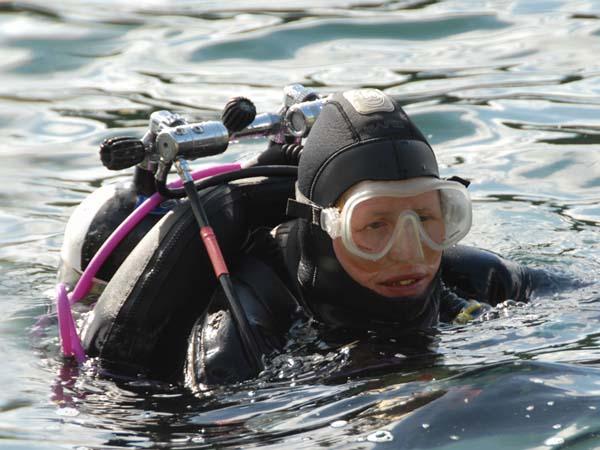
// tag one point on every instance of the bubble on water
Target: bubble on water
(338, 424)
(530, 408)
(425, 425)
(536, 380)
(67, 412)
(593, 408)
(558, 426)
(554, 441)
(380, 436)
(454, 437)
(550, 403)
(527, 416)
(466, 400)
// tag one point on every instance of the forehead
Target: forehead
(408, 186)
(426, 200)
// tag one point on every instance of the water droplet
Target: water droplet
(466, 400)
(593, 408)
(554, 441)
(425, 425)
(454, 437)
(558, 426)
(550, 403)
(536, 380)
(527, 416)
(530, 408)
(251, 393)
(67, 412)
(380, 436)
(338, 424)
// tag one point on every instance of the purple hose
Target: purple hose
(70, 342)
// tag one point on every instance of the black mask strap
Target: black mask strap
(312, 213)
(460, 180)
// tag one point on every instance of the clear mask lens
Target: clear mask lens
(381, 219)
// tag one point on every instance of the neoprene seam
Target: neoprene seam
(343, 149)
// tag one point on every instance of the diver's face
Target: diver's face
(409, 268)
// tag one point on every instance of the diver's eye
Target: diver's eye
(428, 216)
(375, 225)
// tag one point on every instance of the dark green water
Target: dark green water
(508, 92)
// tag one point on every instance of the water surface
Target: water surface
(507, 91)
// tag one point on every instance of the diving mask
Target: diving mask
(375, 217)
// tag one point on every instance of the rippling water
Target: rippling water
(508, 92)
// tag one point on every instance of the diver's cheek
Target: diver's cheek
(355, 263)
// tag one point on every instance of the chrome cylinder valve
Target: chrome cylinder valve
(191, 141)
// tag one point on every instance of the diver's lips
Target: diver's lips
(404, 286)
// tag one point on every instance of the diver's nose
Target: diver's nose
(407, 243)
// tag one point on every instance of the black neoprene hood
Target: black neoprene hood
(361, 135)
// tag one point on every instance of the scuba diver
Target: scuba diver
(364, 239)
(373, 245)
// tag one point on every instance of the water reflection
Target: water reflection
(507, 93)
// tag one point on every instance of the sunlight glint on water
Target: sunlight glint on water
(508, 93)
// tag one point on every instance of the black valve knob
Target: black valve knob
(239, 112)
(121, 152)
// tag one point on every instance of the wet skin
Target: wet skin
(409, 267)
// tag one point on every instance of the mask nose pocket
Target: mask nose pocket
(406, 242)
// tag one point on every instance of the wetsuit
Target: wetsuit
(360, 135)
(274, 299)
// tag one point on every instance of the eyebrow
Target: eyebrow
(417, 210)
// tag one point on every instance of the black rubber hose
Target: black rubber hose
(258, 171)
(249, 338)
